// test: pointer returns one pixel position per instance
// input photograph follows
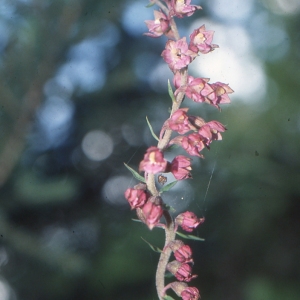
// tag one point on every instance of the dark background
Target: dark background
(77, 80)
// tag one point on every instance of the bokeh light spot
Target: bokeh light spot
(114, 188)
(234, 63)
(4, 291)
(97, 145)
(134, 15)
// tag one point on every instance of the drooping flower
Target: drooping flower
(188, 221)
(190, 293)
(180, 167)
(196, 89)
(211, 131)
(153, 161)
(192, 144)
(196, 122)
(179, 121)
(201, 40)
(136, 197)
(184, 291)
(151, 212)
(219, 94)
(182, 271)
(177, 54)
(182, 8)
(182, 252)
(159, 26)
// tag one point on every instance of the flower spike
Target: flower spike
(191, 133)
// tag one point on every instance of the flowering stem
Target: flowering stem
(145, 198)
(170, 227)
(160, 5)
(162, 144)
(174, 29)
(151, 185)
(165, 255)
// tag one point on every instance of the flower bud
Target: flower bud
(181, 167)
(188, 221)
(182, 252)
(136, 197)
(182, 271)
(184, 291)
(151, 212)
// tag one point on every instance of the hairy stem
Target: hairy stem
(165, 255)
(150, 181)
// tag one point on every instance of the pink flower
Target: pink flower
(159, 26)
(136, 197)
(182, 252)
(200, 40)
(196, 122)
(184, 291)
(188, 221)
(196, 89)
(177, 54)
(182, 271)
(192, 144)
(153, 161)
(151, 212)
(182, 8)
(219, 94)
(179, 121)
(190, 293)
(181, 167)
(211, 131)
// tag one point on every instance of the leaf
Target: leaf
(168, 298)
(135, 174)
(154, 248)
(171, 94)
(190, 237)
(151, 129)
(136, 220)
(150, 4)
(169, 208)
(167, 187)
(168, 275)
(171, 148)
